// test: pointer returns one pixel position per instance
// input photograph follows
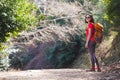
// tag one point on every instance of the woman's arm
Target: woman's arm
(88, 37)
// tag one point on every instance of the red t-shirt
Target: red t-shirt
(91, 26)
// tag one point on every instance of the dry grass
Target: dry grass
(55, 32)
(37, 39)
(108, 49)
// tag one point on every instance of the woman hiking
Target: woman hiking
(90, 43)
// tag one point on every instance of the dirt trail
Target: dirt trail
(109, 72)
(58, 74)
(52, 74)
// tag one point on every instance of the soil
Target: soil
(109, 72)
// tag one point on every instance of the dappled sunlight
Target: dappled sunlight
(45, 40)
(103, 51)
(52, 74)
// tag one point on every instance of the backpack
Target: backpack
(98, 32)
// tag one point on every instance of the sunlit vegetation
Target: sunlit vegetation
(15, 16)
(60, 22)
(113, 11)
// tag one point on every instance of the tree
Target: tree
(15, 16)
(113, 11)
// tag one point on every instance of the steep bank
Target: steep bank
(108, 52)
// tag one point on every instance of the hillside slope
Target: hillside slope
(56, 43)
(61, 36)
(107, 52)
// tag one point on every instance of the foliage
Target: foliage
(61, 22)
(18, 62)
(64, 53)
(81, 1)
(15, 16)
(15, 57)
(113, 11)
(51, 17)
(99, 16)
(4, 63)
(21, 15)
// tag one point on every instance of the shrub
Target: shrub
(113, 11)
(16, 16)
(63, 54)
(15, 57)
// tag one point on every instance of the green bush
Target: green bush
(63, 54)
(112, 11)
(16, 16)
(15, 57)
(4, 63)
(61, 22)
(18, 62)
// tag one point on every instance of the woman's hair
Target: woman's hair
(91, 18)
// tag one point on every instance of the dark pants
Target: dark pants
(91, 49)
